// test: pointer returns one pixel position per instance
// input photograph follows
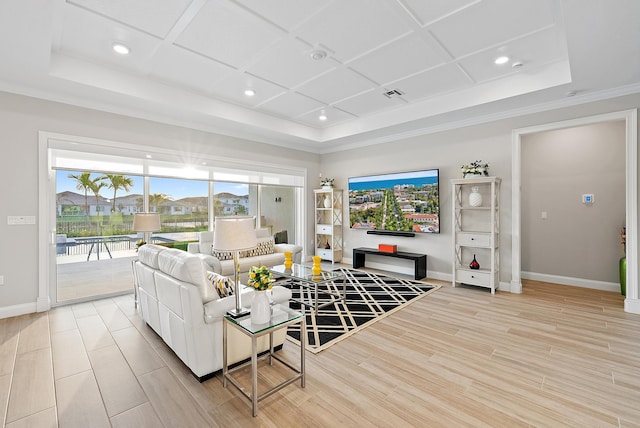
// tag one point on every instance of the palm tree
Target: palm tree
(156, 199)
(84, 184)
(117, 182)
(95, 185)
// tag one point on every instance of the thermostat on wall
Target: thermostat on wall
(587, 198)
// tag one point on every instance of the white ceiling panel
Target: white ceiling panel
(377, 21)
(334, 116)
(429, 11)
(285, 13)
(288, 63)
(228, 34)
(433, 82)
(182, 67)
(336, 85)
(492, 22)
(233, 86)
(89, 36)
(152, 16)
(404, 57)
(532, 51)
(291, 105)
(370, 102)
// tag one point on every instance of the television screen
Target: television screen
(404, 202)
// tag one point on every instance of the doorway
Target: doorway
(632, 304)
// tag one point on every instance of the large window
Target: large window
(100, 185)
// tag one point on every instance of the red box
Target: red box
(387, 248)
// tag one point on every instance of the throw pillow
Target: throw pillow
(221, 255)
(265, 246)
(222, 284)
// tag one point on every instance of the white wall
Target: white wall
(445, 151)
(576, 240)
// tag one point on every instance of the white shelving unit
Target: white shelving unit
(476, 232)
(328, 215)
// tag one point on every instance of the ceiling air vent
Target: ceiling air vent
(393, 93)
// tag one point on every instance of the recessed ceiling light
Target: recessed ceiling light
(249, 92)
(148, 156)
(322, 117)
(501, 60)
(517, 64)
(121, 49)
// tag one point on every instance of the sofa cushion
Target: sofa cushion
(265, 246)
(148, 254)
(222, 255)
(270, 259)
(188, 268)
(222, 284)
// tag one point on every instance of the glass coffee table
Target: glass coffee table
(301, 275)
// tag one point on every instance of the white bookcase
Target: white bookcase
(476, 232)
(328, 215)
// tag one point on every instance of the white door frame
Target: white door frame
(632, 301)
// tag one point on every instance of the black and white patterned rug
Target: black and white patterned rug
(370, 297)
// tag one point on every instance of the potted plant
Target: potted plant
(327, 183)
(475, 169)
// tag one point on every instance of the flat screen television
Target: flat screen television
(398, 202)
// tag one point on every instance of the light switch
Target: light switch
(543, 215)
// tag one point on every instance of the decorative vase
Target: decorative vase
(326, 187)
(260, 307)
(287, 260)
(475, 198)
(474, 263)
(327, 201)
(316, 269)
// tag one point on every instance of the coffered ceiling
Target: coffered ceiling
(376, 69)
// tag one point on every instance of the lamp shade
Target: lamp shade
(234, 233)
(146, 222)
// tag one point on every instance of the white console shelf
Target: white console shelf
(328, 216)
(476, 232)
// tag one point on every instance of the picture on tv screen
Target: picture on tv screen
(405, 202)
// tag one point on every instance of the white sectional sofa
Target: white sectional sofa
(271, 254)
(178, 303)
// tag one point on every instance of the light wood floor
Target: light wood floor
(552, 356)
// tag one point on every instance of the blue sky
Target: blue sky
(175, 188)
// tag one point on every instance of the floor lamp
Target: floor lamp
(234, 234)
(147, 223)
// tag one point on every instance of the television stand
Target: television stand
(419, 260)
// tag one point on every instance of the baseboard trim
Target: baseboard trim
(632, 306)
(578, 282)
(16, 310)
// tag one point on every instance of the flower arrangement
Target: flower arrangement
(475, 168)
(327, 182)
(139, 244)
(260, 278)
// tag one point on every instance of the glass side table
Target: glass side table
(282, 317)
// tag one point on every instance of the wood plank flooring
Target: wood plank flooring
(552, 356)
